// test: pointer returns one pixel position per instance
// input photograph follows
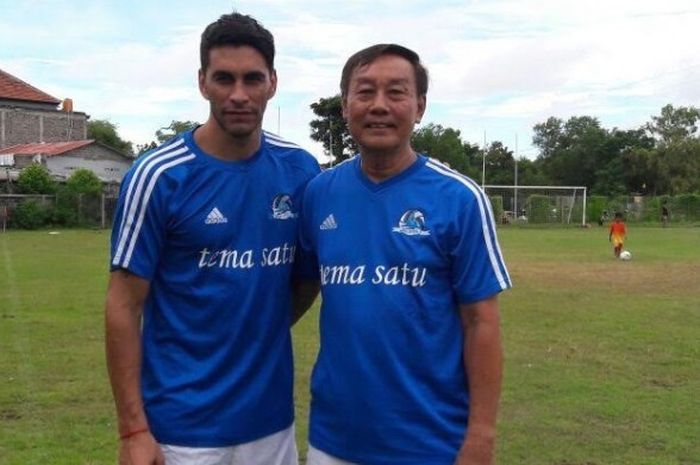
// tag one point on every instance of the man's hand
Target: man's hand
(140, 449)
(478, 449)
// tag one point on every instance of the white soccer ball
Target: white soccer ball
(625, 255)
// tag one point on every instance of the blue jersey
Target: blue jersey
(395, 260)
(217, 242)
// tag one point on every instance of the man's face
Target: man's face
(382, 105)
(238, 85)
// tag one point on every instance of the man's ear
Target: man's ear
(422, 103)
(273, 84)
(344, 107)
(201, 77)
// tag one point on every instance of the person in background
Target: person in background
(618, 232)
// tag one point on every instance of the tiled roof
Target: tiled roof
(45, 148)
(16, 89)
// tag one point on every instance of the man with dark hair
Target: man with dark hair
(199, 302)
(410, 269)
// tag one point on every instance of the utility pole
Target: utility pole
(483, 164)
(330, 139)
(515, 189)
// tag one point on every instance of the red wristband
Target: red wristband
(133, 433)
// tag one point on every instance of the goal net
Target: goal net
(538, 204)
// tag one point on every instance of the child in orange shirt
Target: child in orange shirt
(618, 231)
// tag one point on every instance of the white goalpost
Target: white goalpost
(538, 204)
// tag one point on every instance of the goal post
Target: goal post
(538, 204)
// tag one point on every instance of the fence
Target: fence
(67, 210)
(538, 204)
(684, 208)
(571, 206)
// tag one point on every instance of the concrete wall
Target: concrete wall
(106, 164)
(23, 126)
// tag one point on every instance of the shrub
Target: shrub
(84, 181)
(538, 210)
(35, 179)
(497, 206)
(595, 205)
(29, 215)
(687, 206)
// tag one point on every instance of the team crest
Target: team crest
(282, 207)
(412, 223)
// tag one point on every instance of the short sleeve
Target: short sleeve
(139, 229)
(478, 270)
(306, 261)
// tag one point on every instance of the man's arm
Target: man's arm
(483, 363)
(304, 293)
(126, 295)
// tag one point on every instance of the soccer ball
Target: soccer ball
(625, 255)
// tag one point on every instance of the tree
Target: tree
(473, 154)
(674, 124)
(500, 165)
(105, 132)
(330, 128)
(530, 174)
(175, 127)
(143, 148)
(548, 137)
(443, 144)
(674, 164)
(84, 181)
(35, 179)
(166, 133)
(571, 152)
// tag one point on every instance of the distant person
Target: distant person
(664, 214)
(604, 218)
(618, 232)
(410, 363)
(199, 303)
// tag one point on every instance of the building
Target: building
(63, 158)
(34, 129)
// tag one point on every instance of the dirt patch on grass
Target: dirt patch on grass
(674, 279)
(9, 414)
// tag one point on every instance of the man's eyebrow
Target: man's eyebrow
(364, 80)
(255, 74)
(220, 72)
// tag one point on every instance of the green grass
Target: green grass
(602, 356)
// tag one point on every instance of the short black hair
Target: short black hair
(237, 29)
(618, 215)
(369, 54)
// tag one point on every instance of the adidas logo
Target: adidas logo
(215, 217)
(329, 223)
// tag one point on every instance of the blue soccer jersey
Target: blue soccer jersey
(217, 242)
(395, 261)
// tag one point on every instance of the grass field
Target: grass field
(602, 356)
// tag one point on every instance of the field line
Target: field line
(17, 330)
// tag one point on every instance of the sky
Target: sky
(497, 67)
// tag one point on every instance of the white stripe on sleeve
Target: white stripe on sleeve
(494, 251)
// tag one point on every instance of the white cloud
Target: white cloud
(498, 66)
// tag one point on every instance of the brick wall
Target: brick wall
(22, 126)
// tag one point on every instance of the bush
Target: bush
(497, 207)
(687, 207)
(84, 181)
(29, 215)
(538, 209)
(35, 179)
(595, 205)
